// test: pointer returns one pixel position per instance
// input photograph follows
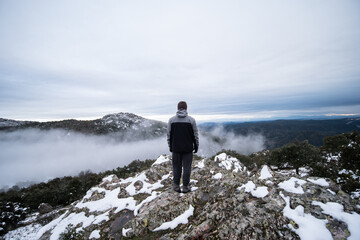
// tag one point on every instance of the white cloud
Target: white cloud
(219, 139)
(84, 56)
(35, 155)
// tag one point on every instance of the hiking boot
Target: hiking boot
(186, 189)
(176, 188)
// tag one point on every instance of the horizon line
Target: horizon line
(201, 118)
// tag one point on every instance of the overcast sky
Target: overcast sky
(227, 59)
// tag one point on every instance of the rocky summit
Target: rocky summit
(227, 201)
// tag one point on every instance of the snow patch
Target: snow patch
(268, 182)
(161, 159)
(194, 188)
(147, 187)
(74, 219)
(310, 228)
(28, 232)
(330, 157)
(265, 173)
(344, 171)
(90, 192)
(29, 219)
(293, 185)
(355, 194)
(332, 192)
(228, 162)
(258, 192)
(110, 201)
(108, 178)
(321, 181)
(217, 176)
(125, 230)
(200, 164)
(349, 172)
(303, 171)
(287, 172)
(102, 217)
(148, 199)
(336, 210)
(193, 181)
(95, 234)
(50, 225)
(182, 219)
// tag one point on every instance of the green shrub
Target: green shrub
(129, 170)
(261, 158)
(334, 144)
(350, 155)
(350, 185)
(71, 234)
(297, 154)
(321, 170)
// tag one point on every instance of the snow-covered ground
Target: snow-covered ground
(28, 232)
(265, 173)
(181, 219)
(258, 192)
(309, 227)
(114, 195)
(293, 185)
(109, 202)
(229, 162)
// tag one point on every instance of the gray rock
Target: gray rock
(45, 208)
(115, 231)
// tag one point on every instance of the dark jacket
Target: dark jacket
(182, 133)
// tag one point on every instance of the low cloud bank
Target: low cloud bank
(35, 155)
(218, 139)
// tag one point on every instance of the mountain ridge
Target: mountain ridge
(128, 125)
(117, 123)
(281, 132)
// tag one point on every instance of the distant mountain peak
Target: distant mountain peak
(10, 123)
(122, 115)
(122, 123)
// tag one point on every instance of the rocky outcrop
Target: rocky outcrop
(45, 208)
(227, 201)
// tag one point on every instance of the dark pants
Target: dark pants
(179, 161)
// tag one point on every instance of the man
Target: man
(183, 140)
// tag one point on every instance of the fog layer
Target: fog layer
(34, 155)
(218, 139)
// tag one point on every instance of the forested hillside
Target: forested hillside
(281, 132)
